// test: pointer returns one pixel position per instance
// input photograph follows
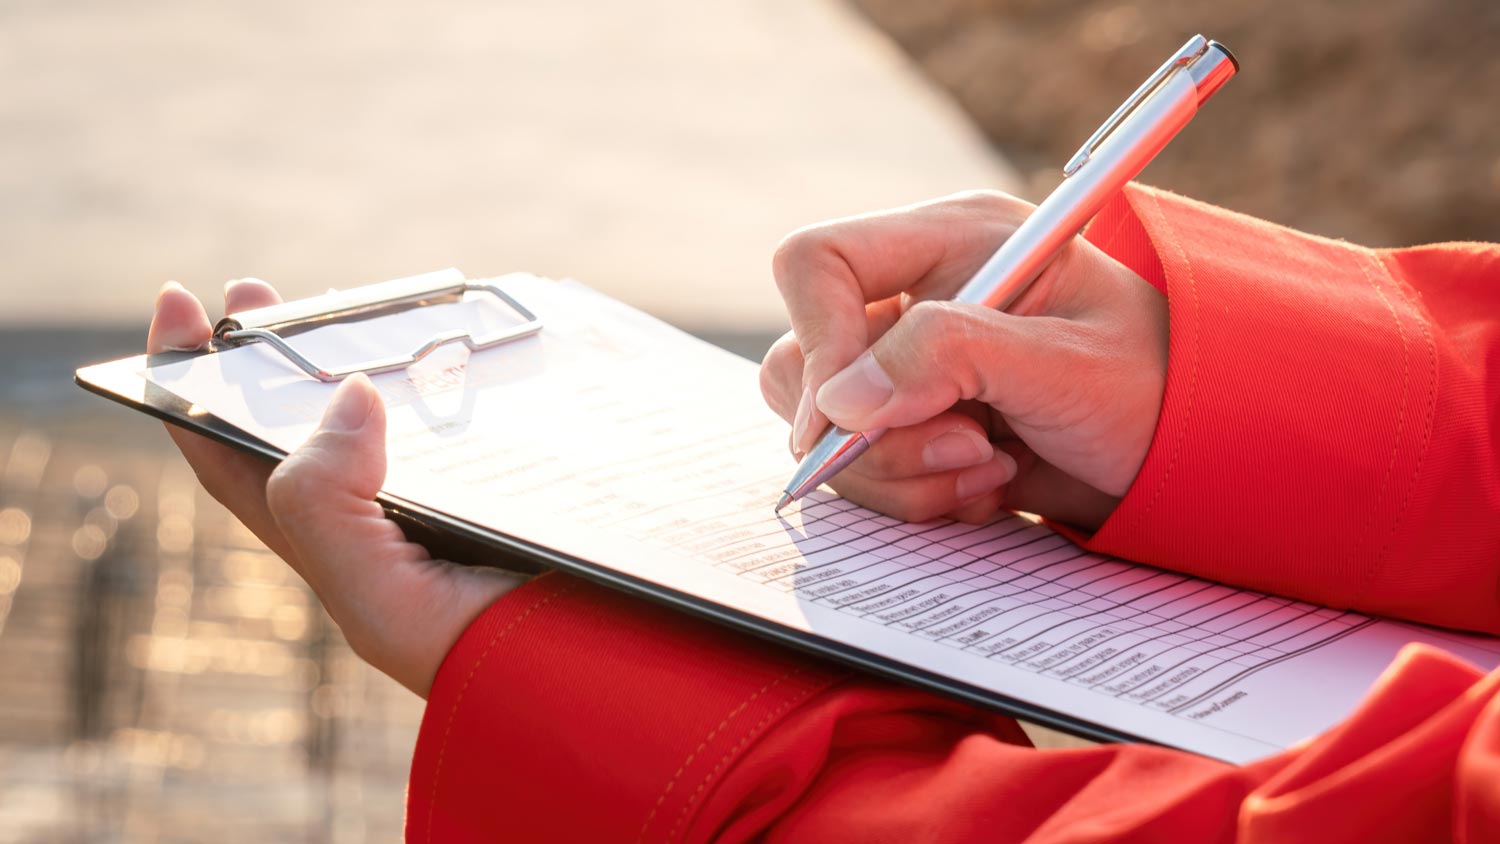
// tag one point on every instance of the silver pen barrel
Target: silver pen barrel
(834, 450)
(1054, 223)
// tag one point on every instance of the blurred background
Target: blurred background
(162, 676)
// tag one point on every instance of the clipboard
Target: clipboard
(120, 381)
(462, 541)
(755, 584)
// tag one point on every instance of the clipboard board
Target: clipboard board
(465, 542)
(733, 586)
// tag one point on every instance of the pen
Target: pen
(1116, 153)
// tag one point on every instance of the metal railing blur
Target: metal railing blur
(163, 676)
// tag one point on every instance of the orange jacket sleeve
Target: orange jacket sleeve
(569, 712)
(1328, 432)
(1331, 424)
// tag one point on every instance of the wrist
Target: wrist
(405, 620)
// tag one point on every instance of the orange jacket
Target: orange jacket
(1330, 432)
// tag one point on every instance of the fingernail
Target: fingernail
(174, 336)
(350, 406)
(956, 449)
(985, 478)
(801, 418)
(861, 388)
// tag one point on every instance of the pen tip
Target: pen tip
(785, 500)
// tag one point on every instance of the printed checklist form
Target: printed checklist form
(621, 443)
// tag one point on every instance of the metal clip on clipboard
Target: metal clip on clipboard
(274, 323)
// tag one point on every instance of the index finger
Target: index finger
(827, 273)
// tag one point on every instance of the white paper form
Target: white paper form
(614, 438)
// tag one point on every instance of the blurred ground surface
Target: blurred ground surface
(655, 149)
(1373, 121)
(165, 677)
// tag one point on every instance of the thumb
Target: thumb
(322, 496)
(399, 609)
(941, 353)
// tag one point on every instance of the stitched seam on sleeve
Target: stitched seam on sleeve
(733, 713)
(1431, 408)
(474, 669)
(1187, 411)
(1390, 463)
(744, 741)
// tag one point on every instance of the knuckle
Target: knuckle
(950, 338)
(801, 247)
(937, 325)
(927, 316)
(988, 201)
(781, 372)
(784, 356)
(982, 198)
(291, 489)
(825, 350)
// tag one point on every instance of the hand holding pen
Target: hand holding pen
(965, 408)
(1049, 408)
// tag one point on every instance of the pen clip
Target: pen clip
(1195, 47)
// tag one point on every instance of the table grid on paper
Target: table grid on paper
(1012, 590)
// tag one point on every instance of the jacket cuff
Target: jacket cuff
(1299, 395)
(571, 712)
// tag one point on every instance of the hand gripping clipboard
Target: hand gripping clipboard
(459, 540)
(121, 381)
